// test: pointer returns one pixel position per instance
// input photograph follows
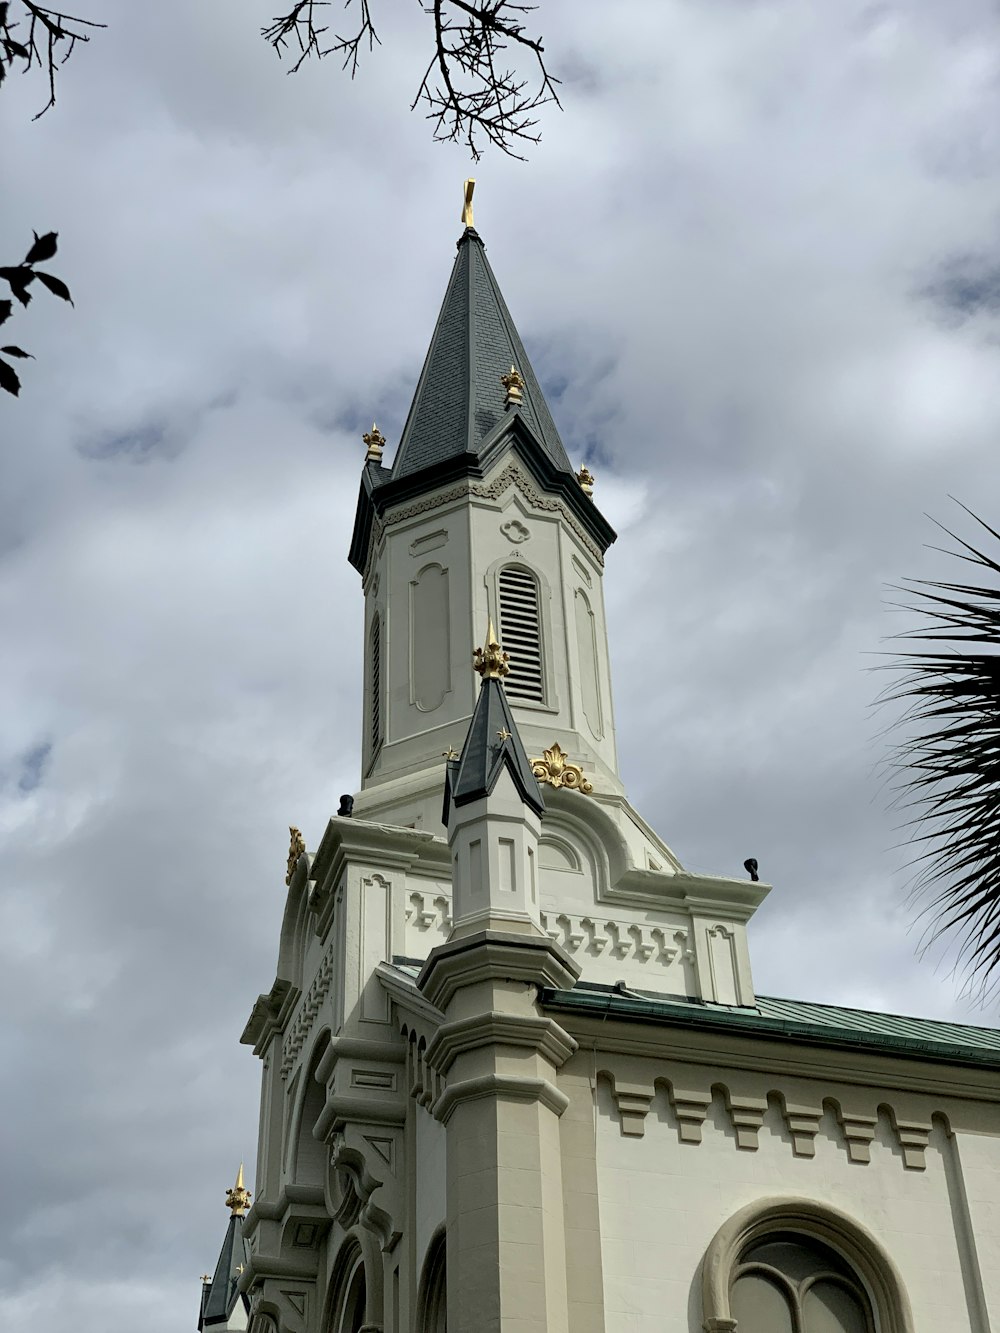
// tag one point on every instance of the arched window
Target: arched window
(797, 1266)
(521, 633)
(432, 1300)
(375, 685)
(787, 1283)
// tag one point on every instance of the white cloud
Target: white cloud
(726, 257)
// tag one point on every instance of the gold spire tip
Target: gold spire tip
(491, 661)
(238, 1198)
(469, 187)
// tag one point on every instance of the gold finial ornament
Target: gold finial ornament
(206, 1277)
(504, 734)
(296, 847)
(238, 1198)
(555, 769)
(491, 661)
(514, 384)
(375, 441)
(586, 479)
(469, 187)
(450, 753)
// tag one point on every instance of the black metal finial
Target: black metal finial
(750, 866)
(346, 807)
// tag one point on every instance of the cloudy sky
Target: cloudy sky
(755, 262)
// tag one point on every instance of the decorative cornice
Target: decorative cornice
(511, 476)
(700, 1041)
(488, 955)
(499, 1029)
(269, 1015)
(345, 1108)
(508, 1086)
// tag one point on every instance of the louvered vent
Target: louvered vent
(376, 684)
(520, 633)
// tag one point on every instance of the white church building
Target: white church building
(515, 1072)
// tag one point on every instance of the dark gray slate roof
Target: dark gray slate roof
(459, 399)
(219, 1297)
(484, 755)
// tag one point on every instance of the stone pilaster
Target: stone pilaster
(499, 1057)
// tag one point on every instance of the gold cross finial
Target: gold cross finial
(504, 734)
(238, 1198)
(470, 185)
(450, 753)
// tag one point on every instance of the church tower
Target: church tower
(515, 1074)
(480, 515)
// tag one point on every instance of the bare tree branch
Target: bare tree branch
(470, 91)
(42, 46)
(299, 26)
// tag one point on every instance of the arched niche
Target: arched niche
(432, 1294)
(745, 1234)
(308, 1155)
(354, 1304)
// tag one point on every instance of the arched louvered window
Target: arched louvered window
(375, 679)
(521, 633)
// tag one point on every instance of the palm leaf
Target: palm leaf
(945, 757)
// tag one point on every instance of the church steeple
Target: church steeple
(480, 514)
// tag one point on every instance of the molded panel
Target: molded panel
(430, 638)
(586, 637)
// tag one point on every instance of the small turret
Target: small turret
(492, 811)
(223, 1307)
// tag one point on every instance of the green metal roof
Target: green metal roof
(792, 1020)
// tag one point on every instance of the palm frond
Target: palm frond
(946, 760)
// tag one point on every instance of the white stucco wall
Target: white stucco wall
(662, 1201)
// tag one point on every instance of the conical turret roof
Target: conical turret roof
(493, 742)
(464, 414)
(460, 400)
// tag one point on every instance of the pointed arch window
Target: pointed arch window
(521, 633)
(375, 685)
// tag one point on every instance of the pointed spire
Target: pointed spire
(238, 1198)
(493, 742)
(460, 403)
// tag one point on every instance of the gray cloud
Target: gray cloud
(732, 258)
